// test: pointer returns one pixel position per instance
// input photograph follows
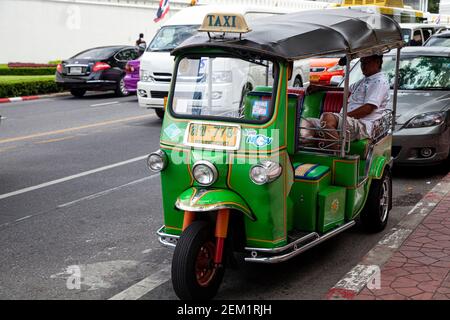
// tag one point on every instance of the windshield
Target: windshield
(438, 42)
(416, 73)
(93, 54)
(170, 37)
(222, 87)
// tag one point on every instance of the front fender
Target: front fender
(377, 167)
(202, 200)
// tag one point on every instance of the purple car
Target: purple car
(132, 75)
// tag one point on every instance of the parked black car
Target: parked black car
(97, 69)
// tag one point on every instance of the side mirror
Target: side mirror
(336, 80)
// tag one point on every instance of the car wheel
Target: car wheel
(375, 214)
(298, 83)
(160, 113)
(78, 92)
(121, 90)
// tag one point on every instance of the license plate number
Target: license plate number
(221, 136)
(76, 70)
(314, 78)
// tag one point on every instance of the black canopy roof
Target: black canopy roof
(309, 33)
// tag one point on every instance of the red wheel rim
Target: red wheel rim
(204, 264)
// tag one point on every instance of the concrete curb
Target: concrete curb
(26, 98)
(363, 273)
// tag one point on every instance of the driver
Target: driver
(367, 101)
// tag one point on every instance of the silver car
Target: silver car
(422, 131)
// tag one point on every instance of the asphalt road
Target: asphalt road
(77, 198)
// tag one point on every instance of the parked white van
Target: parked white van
(415, 34)
(157, 63)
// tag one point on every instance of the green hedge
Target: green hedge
(9, 90)
(27, 71)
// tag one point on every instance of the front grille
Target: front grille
(162, 77)
(159, 94)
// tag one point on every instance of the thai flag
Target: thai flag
(162, 10)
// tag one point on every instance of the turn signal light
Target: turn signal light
(98, 66)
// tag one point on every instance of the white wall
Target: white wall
(444, 7)
(44, 30)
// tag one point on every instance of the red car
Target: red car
(322, 69)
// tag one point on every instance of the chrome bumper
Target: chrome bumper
(166, 239)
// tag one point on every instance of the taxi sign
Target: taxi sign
(224, 22)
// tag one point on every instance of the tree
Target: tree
(433, 6)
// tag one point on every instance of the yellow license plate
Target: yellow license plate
(212, 135)
(314, 78)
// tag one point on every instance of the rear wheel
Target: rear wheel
(379, 202)
(160, 113)
(121, 90)
(194, 274)
(78, 92)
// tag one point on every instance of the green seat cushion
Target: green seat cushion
(312, 105)
(360, 147)
(310, 171)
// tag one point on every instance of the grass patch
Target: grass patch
(20, 79)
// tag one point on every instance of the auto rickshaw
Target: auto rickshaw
(237, 172)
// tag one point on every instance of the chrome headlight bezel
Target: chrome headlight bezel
(428, 119)
(268, 170)
(212, 170)
(161, 157)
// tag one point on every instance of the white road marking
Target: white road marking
(105, 192)
(23, 218)
(75, 176)
(143, 287)
(104, 104)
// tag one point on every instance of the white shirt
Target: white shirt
(373, 90)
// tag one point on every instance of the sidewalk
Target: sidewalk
(414, 258)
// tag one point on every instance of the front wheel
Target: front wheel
(78, 92)
(194, 274)
(160, 113)
(121, 90)
(375, 215)
(298, 83)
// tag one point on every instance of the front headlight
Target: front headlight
(265, 172)
(157, 161)
(428, 119)
(145, 76)
(205, 173)
(222, 77)
(335, 68)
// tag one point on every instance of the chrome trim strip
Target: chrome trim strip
(289, 255)
(166, 239)
(212, 207)
(286, 247)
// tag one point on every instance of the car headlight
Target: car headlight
(265, 172)
(205, 173)
(335, 68)
(145, 76)
(428, 119)
(157, 161)
(222, 77)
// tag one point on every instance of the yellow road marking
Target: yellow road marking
(7, 148)
(49, 133)
(55, 140)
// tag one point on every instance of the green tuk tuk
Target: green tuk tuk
(238, 174)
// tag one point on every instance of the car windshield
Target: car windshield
(416, 73)
(438, 42)
(98, 53)
(222, 87)
(170, 37)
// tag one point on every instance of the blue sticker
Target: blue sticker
(258, 140)
(172, 131)
(260, 108)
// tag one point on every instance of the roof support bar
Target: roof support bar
(344, 106)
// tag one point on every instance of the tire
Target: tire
(375, 214)
(121, 90)
(189, 283)
(78, 92)
(298, 83)
(160, 113)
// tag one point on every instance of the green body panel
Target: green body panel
(263, 88)
(331, 208)
(381, 157)
(359, 147)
